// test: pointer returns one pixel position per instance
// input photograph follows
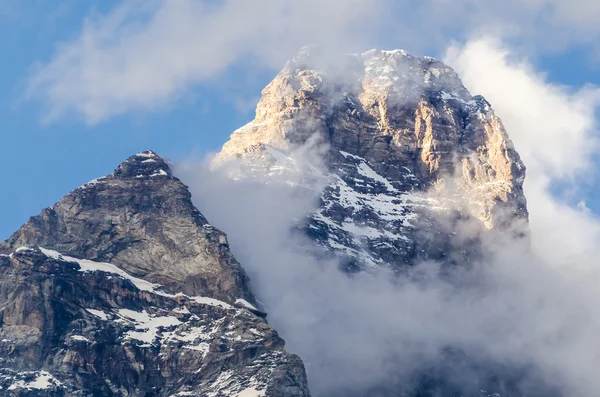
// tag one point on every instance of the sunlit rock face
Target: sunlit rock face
(140, 218)
(406, 155)
(406, 167)
(123, 288)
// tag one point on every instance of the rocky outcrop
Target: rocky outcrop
(407, 167)
(141, 219)
(409, 155)
(124, 289)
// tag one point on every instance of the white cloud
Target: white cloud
(143, 54)
(537, 25)
(365, 331)
(555, 131)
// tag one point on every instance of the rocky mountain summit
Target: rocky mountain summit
(123, 288)
(407, 167)
(408, 154)
(141, 219)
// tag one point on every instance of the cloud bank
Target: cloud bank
(555, 131)
(144, 55)
(534, 310)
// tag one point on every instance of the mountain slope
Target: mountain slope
(123, 289)
(141, 219)
(408, 154)
(408, 168)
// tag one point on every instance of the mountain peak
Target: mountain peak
(146, 164)
(141, 219)
(126, 279)
(393, 130)
(376, 72)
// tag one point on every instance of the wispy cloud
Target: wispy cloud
(555, 130)
(142, 55)
(535, 308)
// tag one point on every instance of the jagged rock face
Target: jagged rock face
(73, 327)
(411, 155)
(141, 219)
(124, 289)
(409, 167)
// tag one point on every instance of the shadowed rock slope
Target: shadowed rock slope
(122, 288)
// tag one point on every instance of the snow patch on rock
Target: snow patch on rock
(41, 380)
(143, 285)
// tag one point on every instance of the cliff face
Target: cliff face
(408, 167)
(123, 288)
(408, 153)
(141, 219)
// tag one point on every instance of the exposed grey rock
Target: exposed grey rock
(410, 156)
(67, 329)
(141, 219)
(124, 289)
(410, 167)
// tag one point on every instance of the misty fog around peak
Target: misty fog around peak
(355, 333)
(535, 310)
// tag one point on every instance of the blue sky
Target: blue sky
(44, 162)
(44, 159)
